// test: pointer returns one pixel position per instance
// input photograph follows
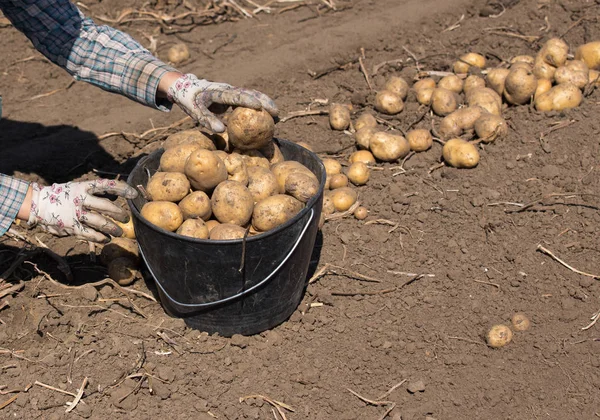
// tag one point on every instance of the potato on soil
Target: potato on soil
(274, 211)
(467, 61)
(365, 120)
(594, 77)
(363, 137)
(173, 159)
(490, 127)
(192, 136)
(499, 336)
(460, 154)
(462, 119)
(305, 145)
(343, 198)
(473, 82)
(419, 140)
(388, 102)
(575, 72)
(443, 101)
(168, 186)
(398, 85)
(328, 207)
(210, 224)
(236, 168)
(361, 213)
(554, 52)
(205, 170)
(283, 169)
(196, 205)
(424, 96)
(194, 228)
(178, 53)
(590, 54)
(226, 231)
(519, 86)
(521, 65)
(164, 214)
(261, 183)
(523, 59)
(451, 82)
(427, 83)
(487, 99)
(272, 152)
(232, 203)
(520, 322)
(362, 156)
(301, 186)
(123, 270)
(339, 116)
(338, 181)
(543, 86)
(389, 147)
(558, 98)
(118, 248)
(332, 166)
(495, 79)
(543, 70)
(358, 173)
(249, 129)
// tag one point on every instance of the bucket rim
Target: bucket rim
(309, 205)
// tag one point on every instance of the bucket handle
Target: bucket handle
(194, 306)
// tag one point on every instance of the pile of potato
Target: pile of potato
(227, 186)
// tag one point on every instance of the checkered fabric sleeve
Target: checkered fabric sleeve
(12, 195)
(100, 55)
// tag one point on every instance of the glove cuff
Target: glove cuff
(35, 200)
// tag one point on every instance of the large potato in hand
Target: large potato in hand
(232, 203)
(205, 170)
(249, 129)
(164, 214)
(275, 211)
(168, 186)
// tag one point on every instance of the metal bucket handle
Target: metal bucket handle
(194, 306)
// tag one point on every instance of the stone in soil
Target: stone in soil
(416, 386)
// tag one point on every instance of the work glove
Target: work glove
(198, 96)
(73, 209)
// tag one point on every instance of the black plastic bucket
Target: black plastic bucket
(235, 286)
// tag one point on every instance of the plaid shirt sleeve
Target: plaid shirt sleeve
(12, 195)
(100, 55)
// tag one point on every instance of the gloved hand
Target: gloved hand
(195, 96)
(73, 209)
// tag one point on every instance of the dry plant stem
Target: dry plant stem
(278, 405)
(379, 66)
(528, 38)
(391, 125)
(487, 282)
(368, 401)
(55, 389)
(341, 215)
(365, 73)
(455, 25)
(339, 66)
(78, 396)
(467, 340)
(13, 289)
(540, 200)
(8, 402)
(594, 319)
(145, 133)
(554, 257)
(436, 167)
(392, 389)
(330, 269)
(52, 92)
(556, 126)
(304, 113)
(403, 273)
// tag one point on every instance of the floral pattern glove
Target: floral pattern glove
(73, 209)
(195, 96)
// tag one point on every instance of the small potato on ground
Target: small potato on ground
(389, 147)
(397, 85)
(554, 52)
(424, 96)
(232, 203)
(590, 54)
(164, 214)
(338, 181)
(574, 72)
(495, 79)
(543, 86)
(365, 120)
(459, 153)
(473, 82)
(467, 61)
(358, 173)
(362, 156)
(343, 198)
(499, 336)
(250, 129)
(123, 270)
(462, 119)
(388, 102)
(451, 82)
(419, 140)
(490, 127)
(560, 97)
(487, 99)
(520, 322)
(332, 166)
(178, 53)
(519, 86)
(443, 101)
(363, 137)
(328, 207)
(168, 186)
(339, 116)
(361, 213)
(274, 211)
(427, 83)
(194, 228)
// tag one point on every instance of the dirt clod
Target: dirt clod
(416, 386)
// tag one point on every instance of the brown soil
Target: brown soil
(455, 226)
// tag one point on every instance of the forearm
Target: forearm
(15, 201)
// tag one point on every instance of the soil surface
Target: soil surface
(469, 233)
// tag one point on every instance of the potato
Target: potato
(272, 152)
(365, 120)
(594, 77)
(236, 168)
(226, 231)
(343, 198)
(590, 54)
(543, 70)
(127, 228)
(554, 52)
(123, 270)
(205, 170)
(443, 101)
(249, 129)
(283, 169)
(361, 213)
(543, 86)
(499, 336)
(305, 145)
(389, 147)
(164, 214)
(388, 102)
(574, 72)
(462, 119)
(460, 154)
(274, 211)
(521, 65)
(196, 205)
(487, 99)
(419, 140)
(194, 228)
(261, 183)
(332, 166)
(467, 61)
(473, 82)
(523, 59)
(520, 322)
(424, 96)
(398, 85)
(495, 79)
(358, 173)
(452, 83)
(490, 127)
(339, 116)
(178, 53)
(362, 156)
(173, 159)
(222, 155)
(168, 186)
(254, 158)
(558, 98)
(427, 83)
(211, 224)
(338, 181)
(301, 186)
(363, 137)
(119, 248)
(519, 86)
(232, 203)
(192, 136)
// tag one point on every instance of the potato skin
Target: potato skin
(262, 183)
(554, 52)
(424, 96)
(419, 140)
(443, 101)
(343, 198)
(362, 156)
(490, 127)
(173, 159)
(274, 211)
(590, 54)
(462, 119)
(194, 228)
(192, 136)
(164, 214)
(473, 82)
(178, 53)
(467, 61)
(196, 205)
(212, 223)
(205, 170)
(301, 186)
(543, 86)
(543, 70)
(427, 83)
(519, 86)
(363, 137)
(389, 147)
(283, 169)
(123, 270)
(232, 203)
(388, 102)
(560, 97)
(487, 99)
(226, 231)
(358, 173)
(338, 181)
(236, 168)
(365, 120)
(460, 154)
(575, 72)
(168, 186)
(339, 116)
(451, 82)
(495, 79)
(397, 85)
(272, 153)
(249, 129)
